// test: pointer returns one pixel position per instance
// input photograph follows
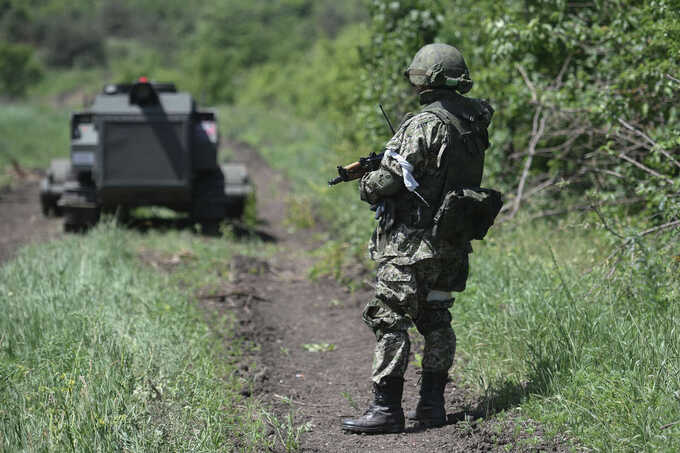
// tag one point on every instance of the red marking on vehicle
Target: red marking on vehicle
(143, 79)
(210, 129)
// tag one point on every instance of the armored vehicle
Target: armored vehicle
(143, 144)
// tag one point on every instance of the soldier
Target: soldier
(436, 151)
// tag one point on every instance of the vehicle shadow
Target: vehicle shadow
(237, 229)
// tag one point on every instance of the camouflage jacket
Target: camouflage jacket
(421, 146)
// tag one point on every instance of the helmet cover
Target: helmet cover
(439, 65)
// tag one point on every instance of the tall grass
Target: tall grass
(101, 353)
(595, 356)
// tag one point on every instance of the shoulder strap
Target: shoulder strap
(459, 131)
(456, 125)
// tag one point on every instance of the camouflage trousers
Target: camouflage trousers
(401, 300)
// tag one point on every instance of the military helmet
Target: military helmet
(439, 66)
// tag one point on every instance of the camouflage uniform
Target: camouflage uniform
(415, 271)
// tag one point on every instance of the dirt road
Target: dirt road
(317, 352)
(20, 219)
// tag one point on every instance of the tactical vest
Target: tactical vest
(465, 211)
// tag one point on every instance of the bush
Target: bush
(18, 69)
(72, 38)
(602, 80)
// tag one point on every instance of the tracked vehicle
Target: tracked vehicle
(143, 144)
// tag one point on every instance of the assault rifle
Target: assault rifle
(357, 169)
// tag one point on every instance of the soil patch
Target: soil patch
(21, 221)
(315, 352)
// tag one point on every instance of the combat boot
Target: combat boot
(385, 415)
(430, 409)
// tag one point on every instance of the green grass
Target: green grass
(543, 329)
(70, 86)
(30, 135)
(99, 352)
(594, 357)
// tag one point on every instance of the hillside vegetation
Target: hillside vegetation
(576, 330)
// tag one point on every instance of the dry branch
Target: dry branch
(537, 132)
(665, 226)
(529, 84)
(604, 222)
(558, 81)
(650, 141)
(644, 168)
(620, 248)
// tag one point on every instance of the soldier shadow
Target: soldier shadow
(507, 395)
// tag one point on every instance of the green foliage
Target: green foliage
(129, 61)
(601, 76)
(68, 88)
(321, 81)
(71, 38)
(16, 20)
(75, 33)
(234, 38)
(18, 69)
(397, 31)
